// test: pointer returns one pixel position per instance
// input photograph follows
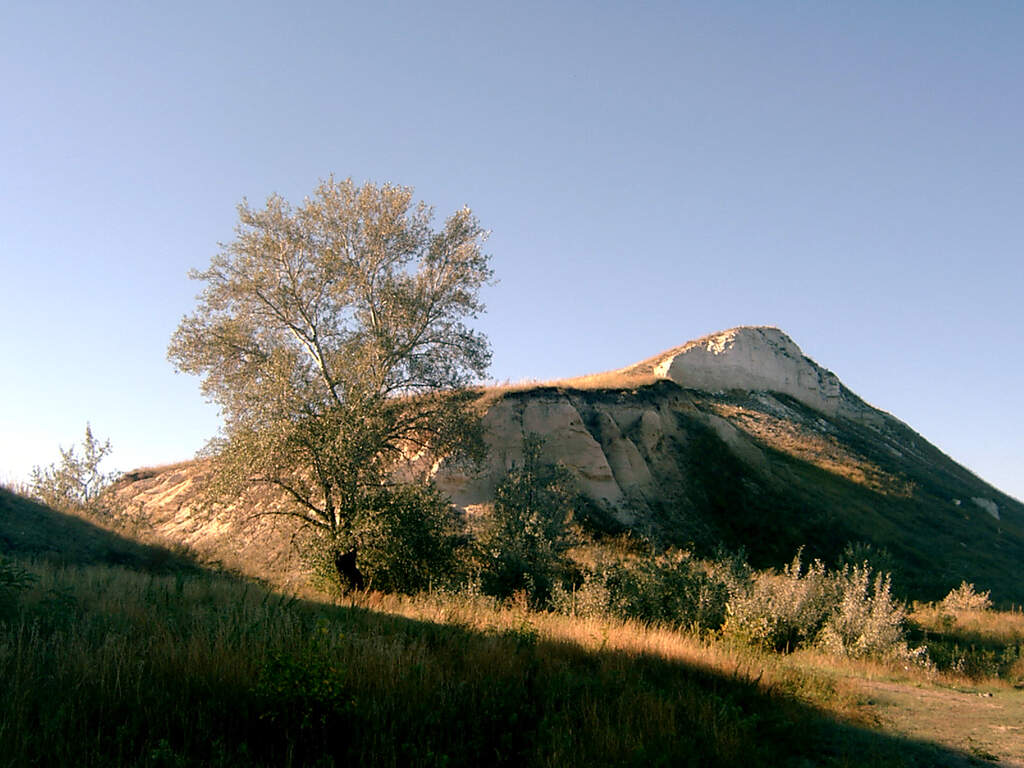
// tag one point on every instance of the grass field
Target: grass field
(104, 665)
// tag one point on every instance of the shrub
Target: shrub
(76, 482)
(671, 589)
(525, 542)
(880, 559)
(13, 580)
(866, 620)
(964, 598)
(409, 541)
(588, 599)
(782, 611)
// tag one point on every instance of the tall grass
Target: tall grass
(106, 666)
(965, 637)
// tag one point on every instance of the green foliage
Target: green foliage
(410, 540)
(782, 611)
(208, 671)
(529, 532)
(866, 620)
(333, 337)
(848, 612)
(671, 589)
(964, 598)
(76, 481)
(857, 553)
(302, 695)
(590, 598)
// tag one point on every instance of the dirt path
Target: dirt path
(985, 723)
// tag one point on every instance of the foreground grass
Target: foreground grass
(106, 666)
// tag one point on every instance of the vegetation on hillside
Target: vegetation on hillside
(333, 337)
(636, 657)
(193, 669)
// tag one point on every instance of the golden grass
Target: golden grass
(186, 669)
(821, 450)
(998, 626)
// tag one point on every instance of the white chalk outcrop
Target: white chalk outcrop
(752, 359)
(988, 505)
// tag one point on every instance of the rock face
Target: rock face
(753, 359)
(614, 449)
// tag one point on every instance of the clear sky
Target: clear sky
(852, 173)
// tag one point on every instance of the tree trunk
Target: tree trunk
(349, 574)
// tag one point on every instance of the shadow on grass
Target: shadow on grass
(33, 530)
(199, 668)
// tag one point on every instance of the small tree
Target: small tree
(333, 338)
(529, 533)
(76, 481)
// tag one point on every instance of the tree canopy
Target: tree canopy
(334, 338)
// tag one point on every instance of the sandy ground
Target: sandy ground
(985, 723)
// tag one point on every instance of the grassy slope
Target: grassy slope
(162, 664)
(34, 530)
(124, 668)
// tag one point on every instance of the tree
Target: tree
(529, 532)
(76, 482)
(333, 337)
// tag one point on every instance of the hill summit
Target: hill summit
(750, 358)
(735, 439)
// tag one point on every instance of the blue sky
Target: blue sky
(650, 172)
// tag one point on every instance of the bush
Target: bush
(964, 598)
(409, 541)
(671, 589)
(13, 580)
(76, 482)
(866, 621)
(525, 542)
(782, 611)
(591, 598)
(848, 612)
(856, 553)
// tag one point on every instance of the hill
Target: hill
(734, 439)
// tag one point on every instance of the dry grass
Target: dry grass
(813, 447)
(104, 666)
(998, 626)
(623, 379)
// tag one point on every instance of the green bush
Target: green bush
(524, 544)
(782, 611)
(591, 598)
(671, 589)
(409, 541)
(849, 612)
(866, 620)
